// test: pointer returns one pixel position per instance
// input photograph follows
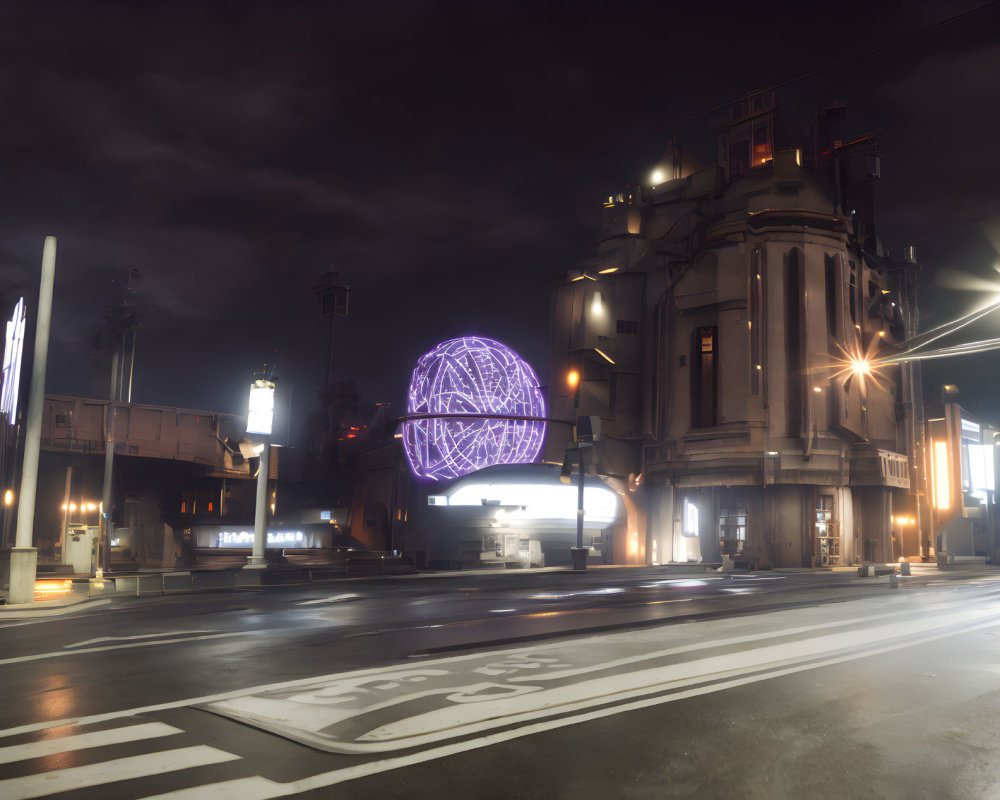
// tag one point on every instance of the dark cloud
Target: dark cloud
(447, 157)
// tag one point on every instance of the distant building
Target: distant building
(181, 481)
(962, 466)
(713, 334)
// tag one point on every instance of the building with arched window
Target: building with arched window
(722, 333)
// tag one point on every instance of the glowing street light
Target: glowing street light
(260, 418)
(573, 379)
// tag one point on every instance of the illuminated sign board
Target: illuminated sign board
(261, 412)
(970, 429)
(245, 538)
(13, 349)
(981, 471)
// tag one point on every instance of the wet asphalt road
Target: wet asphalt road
(811, 685)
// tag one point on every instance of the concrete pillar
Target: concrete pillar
(257, 560)
(24, 557)
(23, 565)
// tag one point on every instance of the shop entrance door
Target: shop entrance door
(827, 532)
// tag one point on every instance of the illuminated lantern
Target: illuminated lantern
(490, 384)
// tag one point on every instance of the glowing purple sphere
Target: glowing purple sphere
(479, 378)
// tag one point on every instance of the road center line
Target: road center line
(130, 638)
(64, 653)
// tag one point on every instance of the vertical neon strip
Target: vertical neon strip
(942, 480)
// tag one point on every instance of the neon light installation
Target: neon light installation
(478, 377)
(12, 362)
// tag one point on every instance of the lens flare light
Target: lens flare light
(486, 381)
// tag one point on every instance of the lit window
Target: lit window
(704, 378)
(689, 522)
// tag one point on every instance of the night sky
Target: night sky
(449, 159)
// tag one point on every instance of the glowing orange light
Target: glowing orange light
(573, 379)
(942, 481)
(49, 588)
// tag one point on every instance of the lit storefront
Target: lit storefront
(963, 488)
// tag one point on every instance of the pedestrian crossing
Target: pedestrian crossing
(161, 760)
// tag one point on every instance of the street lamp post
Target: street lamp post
(259, 421)
(578, 553)
(24, 557)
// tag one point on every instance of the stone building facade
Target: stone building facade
(721, 333)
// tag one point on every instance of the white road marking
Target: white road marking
(260, 788)
(130, 638)
(462, 704)
(62, 653)
(50, 614)
(205, 699)
(63, 744)
(120, 769)
(339, 598)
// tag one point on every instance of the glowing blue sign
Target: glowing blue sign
(245, 538)
(490, 384)
(12, 361)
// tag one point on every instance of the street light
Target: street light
(260, 417)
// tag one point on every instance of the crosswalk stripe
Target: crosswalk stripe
(131, 733)
(120, 769)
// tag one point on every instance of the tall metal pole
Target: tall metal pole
(104, 532)
(579, 505)
(67, 495)
(260, 513)
(131, 368)
(24, 557)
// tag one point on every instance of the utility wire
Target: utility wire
(913, 344)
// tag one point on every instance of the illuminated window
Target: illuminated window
(853, 294)
(739, 157)
(942, 480)
(762, 151)
(689, 520)
(755, 323)
(704, 377)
